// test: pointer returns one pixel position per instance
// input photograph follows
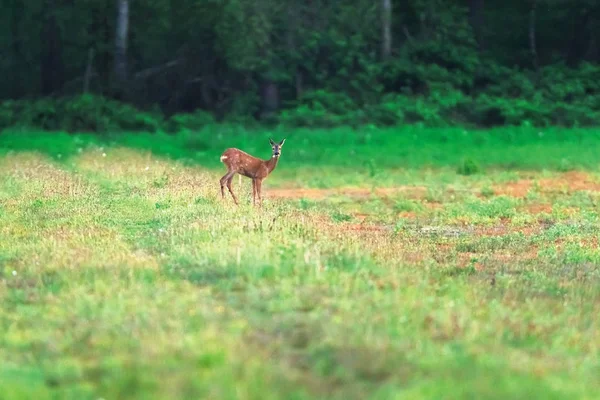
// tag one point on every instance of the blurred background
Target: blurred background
(95, 65)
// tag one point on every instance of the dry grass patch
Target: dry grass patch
(41, 178)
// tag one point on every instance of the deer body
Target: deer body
(240, 162)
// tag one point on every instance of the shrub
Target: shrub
(85, 113)
(8, 115)
(468, 167)
(321, 108)
(98, 114)
(192, 121)
(388, 112)
(429, 85)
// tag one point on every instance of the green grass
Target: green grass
(368, 152)
(124, 275)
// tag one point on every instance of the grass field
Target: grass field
(373, 270)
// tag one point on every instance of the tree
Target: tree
(386, 27)
(532, 35)
(477, 19)
(51, 61)
(121, 36)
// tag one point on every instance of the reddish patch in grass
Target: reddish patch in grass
(407, 214)
(364, 227)
(514, 189)
(505, 257)
(361, 216)
(570, 182)
(467, 258)
(320, 194)
(433, 205)
(444, 252)
(412, 256)
(590, 242)
(345, 227)
(501, 230)
(538, 208)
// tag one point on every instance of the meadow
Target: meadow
(385, 263)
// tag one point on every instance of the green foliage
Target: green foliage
(88, 113)
(468, 167)
(190, 121)
(321, 108)
(450, 64)
(563, 97)
(84, 113)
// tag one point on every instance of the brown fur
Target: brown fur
(240, 162)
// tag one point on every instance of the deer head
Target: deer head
(276, 147)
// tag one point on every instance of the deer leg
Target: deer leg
(229, 187)
(223, 181)
(258, 189)
(253, 191)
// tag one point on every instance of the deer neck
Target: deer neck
(272, 163)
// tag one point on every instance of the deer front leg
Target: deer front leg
(253, 191)
(223, 182)
(258, 189)
(230, 190)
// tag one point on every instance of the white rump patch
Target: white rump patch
(223, 158)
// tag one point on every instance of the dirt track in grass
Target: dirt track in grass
(565, 182)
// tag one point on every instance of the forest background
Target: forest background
(158, 65)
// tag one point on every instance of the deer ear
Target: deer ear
(271, 142)
(282, 142)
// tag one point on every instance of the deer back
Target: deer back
(243, 163)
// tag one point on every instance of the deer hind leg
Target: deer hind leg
(254, 191)
(229, 187)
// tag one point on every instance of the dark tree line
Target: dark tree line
(258, 57)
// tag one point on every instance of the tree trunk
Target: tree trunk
(386, 28)
(532, 35)
(51, 63)
(592, 53)
(16, 86)
(299, 83)
(270, 98)
(580, 39)
(121, 34)
(88, 71)
(477, 20)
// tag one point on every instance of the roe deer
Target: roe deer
(239, 162)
